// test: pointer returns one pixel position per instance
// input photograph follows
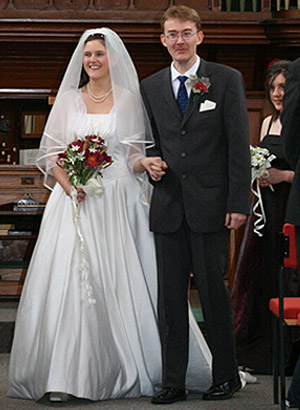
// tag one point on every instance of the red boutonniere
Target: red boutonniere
(199, 85)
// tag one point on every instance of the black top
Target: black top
(256, 278)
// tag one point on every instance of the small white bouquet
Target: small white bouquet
(260, 163)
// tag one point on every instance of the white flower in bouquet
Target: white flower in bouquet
(83, 161)
(260, 163)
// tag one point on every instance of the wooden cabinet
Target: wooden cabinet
(19, 182)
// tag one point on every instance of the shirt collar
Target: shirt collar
(193, 70)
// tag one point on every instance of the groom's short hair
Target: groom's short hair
(182, 13)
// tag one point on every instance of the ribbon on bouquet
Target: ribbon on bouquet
(258, 209)
(260, 163)
(94, 187)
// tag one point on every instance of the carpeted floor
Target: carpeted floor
(253, 397)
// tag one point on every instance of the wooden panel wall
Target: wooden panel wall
(37, 38)
(41, 64)
(84, 5)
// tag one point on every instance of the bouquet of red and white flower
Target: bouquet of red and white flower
(84, 159)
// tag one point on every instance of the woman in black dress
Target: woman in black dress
(256, 279)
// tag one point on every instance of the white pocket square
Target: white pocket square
(207, 105)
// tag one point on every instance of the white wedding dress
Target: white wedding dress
(109, 349)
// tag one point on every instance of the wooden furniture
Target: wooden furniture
(18, 182)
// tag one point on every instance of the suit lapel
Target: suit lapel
(196, 99)
(168, 93)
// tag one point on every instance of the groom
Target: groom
(201, 132)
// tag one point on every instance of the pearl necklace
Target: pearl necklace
(95, 98)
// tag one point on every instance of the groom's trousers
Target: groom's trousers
(207, 255)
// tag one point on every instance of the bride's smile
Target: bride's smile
(95, 61)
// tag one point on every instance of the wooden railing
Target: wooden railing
(285, 5)
(242, 6)
(93, 9)
(255, 5)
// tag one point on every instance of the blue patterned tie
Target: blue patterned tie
(182, 96)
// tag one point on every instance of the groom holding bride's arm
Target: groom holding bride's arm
(201, 130)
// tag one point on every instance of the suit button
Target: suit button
(184, 176)
(183, 154)
(182, 132)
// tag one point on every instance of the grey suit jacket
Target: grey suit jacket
(207, 152)
(290, 119)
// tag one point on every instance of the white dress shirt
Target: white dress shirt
(175, 74)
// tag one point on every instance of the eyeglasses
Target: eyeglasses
(186, 36)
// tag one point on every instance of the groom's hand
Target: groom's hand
(155, 167)
(234, 220)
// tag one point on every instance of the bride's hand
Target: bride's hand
(155, 166)
(80, 195)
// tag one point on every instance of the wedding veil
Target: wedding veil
(67, 118)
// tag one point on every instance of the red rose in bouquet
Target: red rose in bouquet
(84, 159)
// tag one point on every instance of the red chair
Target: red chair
(285, 310)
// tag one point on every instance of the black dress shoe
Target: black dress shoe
(169, 395)
(223, 391)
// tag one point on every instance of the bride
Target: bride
(96, 337)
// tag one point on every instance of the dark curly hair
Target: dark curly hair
(279, 67)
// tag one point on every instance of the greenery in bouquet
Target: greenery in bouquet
(84, 159)
(260, 161)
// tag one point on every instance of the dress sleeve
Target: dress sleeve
(62, 125)
(133, 155)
